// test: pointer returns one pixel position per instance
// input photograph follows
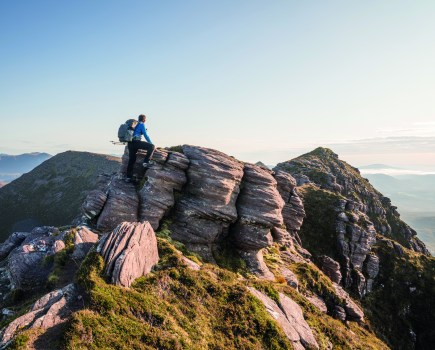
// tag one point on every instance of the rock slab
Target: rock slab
(129, 251)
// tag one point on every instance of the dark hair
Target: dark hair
(141, 117)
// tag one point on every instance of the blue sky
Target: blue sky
(260, 80)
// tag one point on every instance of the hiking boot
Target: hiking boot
(147, 164)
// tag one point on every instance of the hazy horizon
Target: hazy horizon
(258, 80)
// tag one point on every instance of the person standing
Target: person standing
(138, 144)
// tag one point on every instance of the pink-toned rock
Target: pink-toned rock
(273, 309)
(291, 278)
(317, 302)
(166, 176)
(293, 212)
(353, 311)
(84, 239)
(58, 246)
(296, 318)
(129, 251)
(330, 268)
(122, 205)
(48, 311)
(208, 206)
(190, 264)
(259, 207)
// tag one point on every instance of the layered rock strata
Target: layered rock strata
(208, 206)
(293, 212)
(122, 205)
(259, 207)
(165, 177)
(129, 252)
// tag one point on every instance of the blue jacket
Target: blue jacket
(140, 130)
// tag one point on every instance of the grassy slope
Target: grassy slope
(53, 192)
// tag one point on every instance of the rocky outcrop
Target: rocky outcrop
(13, 241)
(95, 200)
(165, 177)
(84, 239)
(208, 206)
(22, 261)
(49, 311)
(290, 318)
(330, 268)
(352, 311)
(293, 212)
(129, 252)
(355, 238)
(122, 205)
(259, 207)
(326, 170)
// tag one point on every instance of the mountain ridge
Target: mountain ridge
(296, 244)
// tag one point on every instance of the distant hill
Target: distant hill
(51, 194)
(12, 166)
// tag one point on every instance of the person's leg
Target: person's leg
(149, 147)
(132, 149)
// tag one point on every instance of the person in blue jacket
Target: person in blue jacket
(138, 144)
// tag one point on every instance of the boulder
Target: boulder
(122, 205)
(129, 251)
(290, 278)
(40, 243)
(164, 177)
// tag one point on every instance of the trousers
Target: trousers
(133, 147)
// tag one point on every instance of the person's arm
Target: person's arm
(144, 132)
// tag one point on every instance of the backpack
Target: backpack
(126, 130)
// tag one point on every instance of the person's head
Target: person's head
(142, 118)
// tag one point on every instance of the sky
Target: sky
(259, 80)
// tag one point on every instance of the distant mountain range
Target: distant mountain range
(414, 195)
(13, 166)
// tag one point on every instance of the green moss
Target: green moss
(19, 342)
(172, 308)
(318, 233)
(227, 257)
(313, 280)
(178, 149)
(402, 299)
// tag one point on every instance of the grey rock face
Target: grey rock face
(355, 238)
(52, 309)
(13, 241)
(208, 207)
(122, 205)
(330, 267)
(95, 200)
(293, 212)
(129, 251)
(165, 177)
(371, 270)
(352, 311)
(32, 251)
